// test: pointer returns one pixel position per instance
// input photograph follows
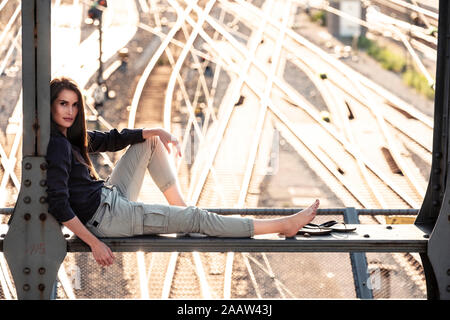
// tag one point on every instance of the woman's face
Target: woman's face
(65, 109)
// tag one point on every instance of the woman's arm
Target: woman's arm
(113, 140)
(101, 252)
(59, 160)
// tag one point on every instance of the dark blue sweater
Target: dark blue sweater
(71, 190)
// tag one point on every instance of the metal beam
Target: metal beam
(436, 187)
(34, 245)
(290, 211)
(359, 262)
(435, 209)
(367, 238)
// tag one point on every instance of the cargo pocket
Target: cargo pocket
(118, 218)
(155, 218)
(137, 225)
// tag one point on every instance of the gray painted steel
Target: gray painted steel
(289, 211)
(359, 262)
(34, 246)
(401, 238)
(43, 76)
(435, 210)
(28, 77)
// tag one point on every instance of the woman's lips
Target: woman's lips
(68, 119)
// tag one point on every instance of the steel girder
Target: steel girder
(34, 246)
(435, 210)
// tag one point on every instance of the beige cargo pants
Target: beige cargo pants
(119, 215)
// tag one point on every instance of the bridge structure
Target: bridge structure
(35, 246)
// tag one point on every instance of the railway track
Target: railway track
(256, 107)
(216, 191)
(422, 121)
(410, 11)
(425, 121)
(408, 35)
(345, 74)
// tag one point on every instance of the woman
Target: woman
(92, 208)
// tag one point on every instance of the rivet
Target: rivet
(437, 170)
(438, 155)
(42, 216)
(26, 287)
(41, 270)
(28, 166)
(27, 199)
(426, 236)
(2, 235)
(27, 183)
(307, 235)
(435, 203)
(366, 236)
(26, 270)
(66, 235)
(27, 216)
(436, 187)
(44, 166)
(42, 199)
(41, 287)
(389, 227)
(43, 183)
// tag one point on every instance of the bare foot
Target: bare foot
(297, 221)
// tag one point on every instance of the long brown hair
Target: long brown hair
(77, 133)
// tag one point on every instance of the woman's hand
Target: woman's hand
(102, 254)
(165, 137)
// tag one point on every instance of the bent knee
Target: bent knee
(152, 142)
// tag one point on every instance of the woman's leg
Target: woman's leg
(128, 174)
(287, 226)
(125, 218)
(195, 220)
(192, 219)
(174, 196)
